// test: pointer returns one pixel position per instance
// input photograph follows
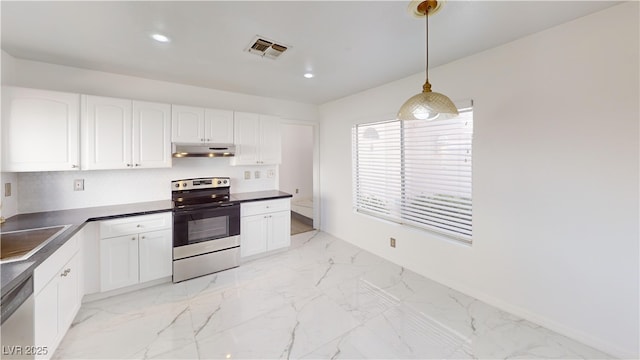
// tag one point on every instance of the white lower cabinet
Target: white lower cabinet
(118, 262)
(134, 250)
(155, 255)
(265, 226)
(279, 228)
(58, 294)
(253, 230)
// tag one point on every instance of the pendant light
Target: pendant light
(427, 105)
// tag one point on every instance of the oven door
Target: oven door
(192, 226)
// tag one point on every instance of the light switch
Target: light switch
(256, 174)
(247, 175)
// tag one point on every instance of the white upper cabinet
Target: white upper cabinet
(194, 125)
(187, 124)
(40, 130)
(270, 140)
(246, 139)
(257, 139)
(107, 128)
(151, 135)
(124, 134)
(218, 126)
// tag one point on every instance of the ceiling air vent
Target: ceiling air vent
(266, 48)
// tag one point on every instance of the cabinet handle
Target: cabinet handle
(128, 165)
(133, 238)
(65, 273)
(208, 140)
(202, 140)
(74, 166)
(138, 225)
(143, 237)
(137, 165)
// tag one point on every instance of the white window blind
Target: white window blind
(416, 173)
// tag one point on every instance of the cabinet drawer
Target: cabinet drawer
(49, 268)
(134, 225)
(263, 207)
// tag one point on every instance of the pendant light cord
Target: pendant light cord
(427, 87)
(426, 15)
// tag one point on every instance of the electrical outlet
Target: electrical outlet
(392, 242)
(271, 173)
(247, 175)
(78, 185)
(256, 174)
(7, 189)
(297, 191)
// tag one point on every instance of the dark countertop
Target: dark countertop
(82, 215)
(259, 196)
(13, 273)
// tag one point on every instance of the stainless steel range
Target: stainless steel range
(206, 227)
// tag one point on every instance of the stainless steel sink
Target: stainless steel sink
(21, 244)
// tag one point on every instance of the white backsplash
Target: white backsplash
(44, 191)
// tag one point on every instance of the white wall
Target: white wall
(53, 190)
(43, 191)
(64, 78)
(555, 182)
(296, 170)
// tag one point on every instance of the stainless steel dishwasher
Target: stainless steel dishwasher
(17, 322)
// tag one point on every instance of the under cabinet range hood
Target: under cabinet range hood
(203, 150)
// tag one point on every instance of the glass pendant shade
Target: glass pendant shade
(427, 105)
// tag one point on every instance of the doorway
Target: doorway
(296, 173)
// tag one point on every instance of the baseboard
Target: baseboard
(103, 295)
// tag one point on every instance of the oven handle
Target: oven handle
(190, 210)
(230, 204)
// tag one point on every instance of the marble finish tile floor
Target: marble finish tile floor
(322, 299)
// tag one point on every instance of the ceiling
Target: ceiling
(350, 46)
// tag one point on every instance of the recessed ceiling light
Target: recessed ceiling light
(308, 75)
(160, 38)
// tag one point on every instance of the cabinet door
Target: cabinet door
(40, 130)
(118, 262)
(270, 140)
(279, 230)
(156, 258)
(68, 294)
(246, 138)
(151, 135)
(253, 235)
(46, 316)
(106, 124)
(187, 124)
(218, 126)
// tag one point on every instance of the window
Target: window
(416, 172)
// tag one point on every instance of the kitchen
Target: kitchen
(44, 191)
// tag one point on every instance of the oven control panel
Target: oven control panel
(200, 183)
